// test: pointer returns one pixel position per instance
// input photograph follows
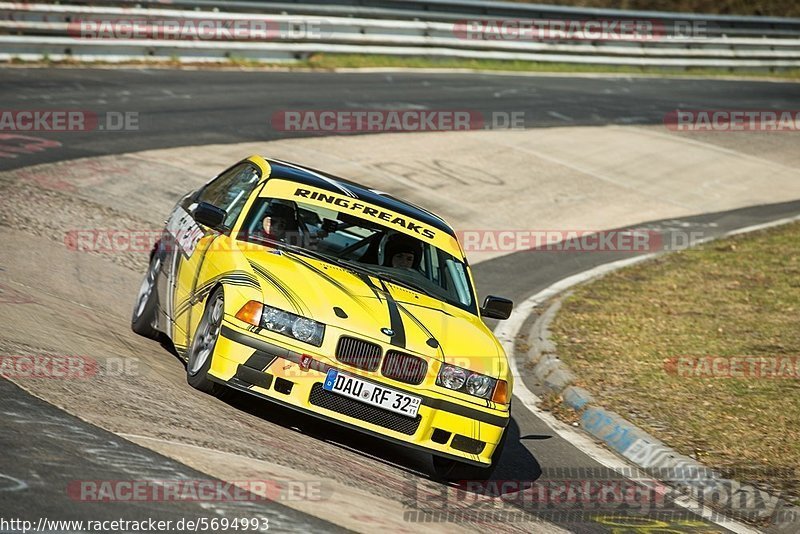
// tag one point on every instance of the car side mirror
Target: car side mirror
(496, 308)
(209, 215)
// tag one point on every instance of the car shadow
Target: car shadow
(517, 468)
(516, 463)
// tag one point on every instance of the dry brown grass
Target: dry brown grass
(738, 297)
(775, 8)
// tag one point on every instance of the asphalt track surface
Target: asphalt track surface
(181, 108)
(200, 107)
(46, 450)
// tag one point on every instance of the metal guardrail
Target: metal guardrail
(31, 31)
(452, 10)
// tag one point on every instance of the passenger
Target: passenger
(402, 252)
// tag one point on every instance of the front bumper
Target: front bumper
(250, 363)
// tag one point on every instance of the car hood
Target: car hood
(367, 306)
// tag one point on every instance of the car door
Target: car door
(229, 191)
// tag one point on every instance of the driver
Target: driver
(277, 221)
(280, 224)
(402, 252)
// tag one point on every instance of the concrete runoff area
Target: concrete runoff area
(543, 179)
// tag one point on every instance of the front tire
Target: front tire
(146, 307)
(201, 351)
(454, 471)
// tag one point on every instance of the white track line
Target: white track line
(507, 331)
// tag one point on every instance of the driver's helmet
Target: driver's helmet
(399, 243)
(284, 212)
(279, 209)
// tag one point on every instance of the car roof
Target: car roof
(323, 180)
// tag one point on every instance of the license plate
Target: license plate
(371, 393)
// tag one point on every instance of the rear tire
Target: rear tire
(455, 471)
(201, 351)
(146, 307)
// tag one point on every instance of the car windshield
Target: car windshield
(360, 245)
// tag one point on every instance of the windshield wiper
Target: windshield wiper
(385, 277)
(413, 287)
(313, 254)
(358, 268)
(345, 264)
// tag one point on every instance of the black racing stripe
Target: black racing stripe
(184, 305)
(273, 281)
(248, 378)
(194, 298)
(242, 280)
(421, 326)
(368, 281)
(230, 282)
(395, 320)
(292, 297)
(260, 360)
(458, 409)
(260, 345)
(325, 276)
(234, 278)
(328, 278)
(243, 275)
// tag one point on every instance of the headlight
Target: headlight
(306, 329)
(459, 379)
(452, 377)
(277, 320)
(289, 324)
(301, 328)
(479, 385)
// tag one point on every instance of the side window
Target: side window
(436, 268)
(455, 271)
(229, 191)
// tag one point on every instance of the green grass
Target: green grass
(775, 8)
(737, 297)
(340, 61)
(334, 61)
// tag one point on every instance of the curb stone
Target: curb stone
(576, 398)
(539, 337)
(685, 474)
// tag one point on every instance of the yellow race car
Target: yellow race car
(336, 300)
